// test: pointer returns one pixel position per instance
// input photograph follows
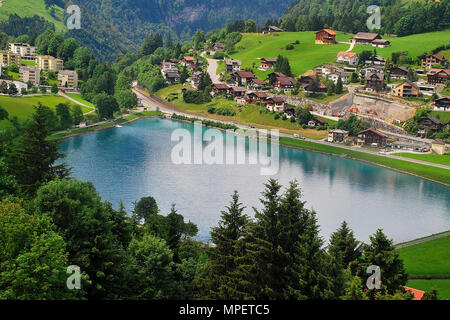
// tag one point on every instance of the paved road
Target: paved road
(352, 45)
(153, 103)
(77, 102)
(212, 69)
(437, 236)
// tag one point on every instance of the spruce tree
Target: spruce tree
(33, 157)
(339, 86)
(219, 282)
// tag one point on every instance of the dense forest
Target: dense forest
(397, 17)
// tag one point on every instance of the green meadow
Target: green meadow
(30, 8)
(442, 287)
(22, 107)
(435, 158)
(307, 55)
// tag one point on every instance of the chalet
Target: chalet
(275, 104)
(267, 63)
(326, 69)
(366, 38)
(364, 71)
(337, 135)
(325, 36)
(433, 59)
(257, 96)
(237, 92)
(438, 76)
(316, 87)
(380, 43)
(232, 66)
(377, 61)
(350, 58)
(398, 72)
(271, 29)
(257, 84)
(242, 77)
(429, 124)
(406, 89)
(375, 80)
(286, 84)
(372, 137)
(219, 88)
(219, 47)
(274, 75)
(196, 77)
(334, 76)
(442, 104)
(189, 62)
(303, 81)
(170, 71)
(171, 76)
(317, 122)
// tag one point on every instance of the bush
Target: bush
(277, 116)
(284, 117)
(219, 55)
(290, 47)
(211, 109)
(292, 119)
(225, 111)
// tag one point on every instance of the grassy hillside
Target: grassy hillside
(308, 55)
(29, 8)
(22, 108)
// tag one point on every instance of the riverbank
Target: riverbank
(438, 175)
(63, 135)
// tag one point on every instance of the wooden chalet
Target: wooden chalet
(366, 38)
(317, 122)
(325, 36)
(337, 135)
(219, 47)
(438, 76)
(274, 75)
(303, 81)
(442, 104)
(316, 87)
(276, 104)
(267, 63)
(380, 43)
(237, 92)
(232, 66)
(406, 89)
(430, 124)
(257, 97)
(220, 88)
(350, 58)
(286, 84)
(433, 59)
(243, 77)
(372, 137)
(257, 84)
(271, 29)
(375, 80)
(189, 62)
(398, 72)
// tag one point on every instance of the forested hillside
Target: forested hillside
(397, 16)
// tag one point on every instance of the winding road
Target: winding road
(212, 68)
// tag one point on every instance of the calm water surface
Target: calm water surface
(135, 161)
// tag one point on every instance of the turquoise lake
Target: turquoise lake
(135, 161)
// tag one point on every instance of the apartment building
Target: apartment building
(8, 58)
(30, 73)
(24, 49)
(49, 63)
(68, 79)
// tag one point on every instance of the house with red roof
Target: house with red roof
(325, 36)
(418, 294)
(350, 58)
(267, 63)
(438, 76)
(243, 77)
(276, 104)
(430, 59)
(366, 37)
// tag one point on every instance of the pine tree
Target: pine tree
(175, 225)
(33, 157)
(219, 283)
(339, 86)
(381, 252)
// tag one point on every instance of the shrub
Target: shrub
(290, 47)
(277, 116)
(284, 117)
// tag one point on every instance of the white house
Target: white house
(350, 58)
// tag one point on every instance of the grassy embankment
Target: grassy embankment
(80, 99)
(246, 115)
(435, 158)
(30, 8)
(432, 173)
(128, 118)
(429, 260)
(22, 107)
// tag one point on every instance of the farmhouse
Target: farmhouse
(442, 104)
(375, 80)
(256, 84)
(271, 29)
(325, 36)
(274, 75)
(316, 87)
(438, 76)
(8, 58)
(398, 73)
(429, 124)
(337, 135)
(188, 61)
(284, 84)
(317, 122)
(267, 63)
(406, 89)
(257, 96)
(31, 74)
(380, 43)
(366, 38)
(303, 81)
(431, 59)
(232, 66)
(372, 137)
(219, 88)
(377, 61)
(237, 92)
(276, 104)
(350, 58)
(242, 77)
